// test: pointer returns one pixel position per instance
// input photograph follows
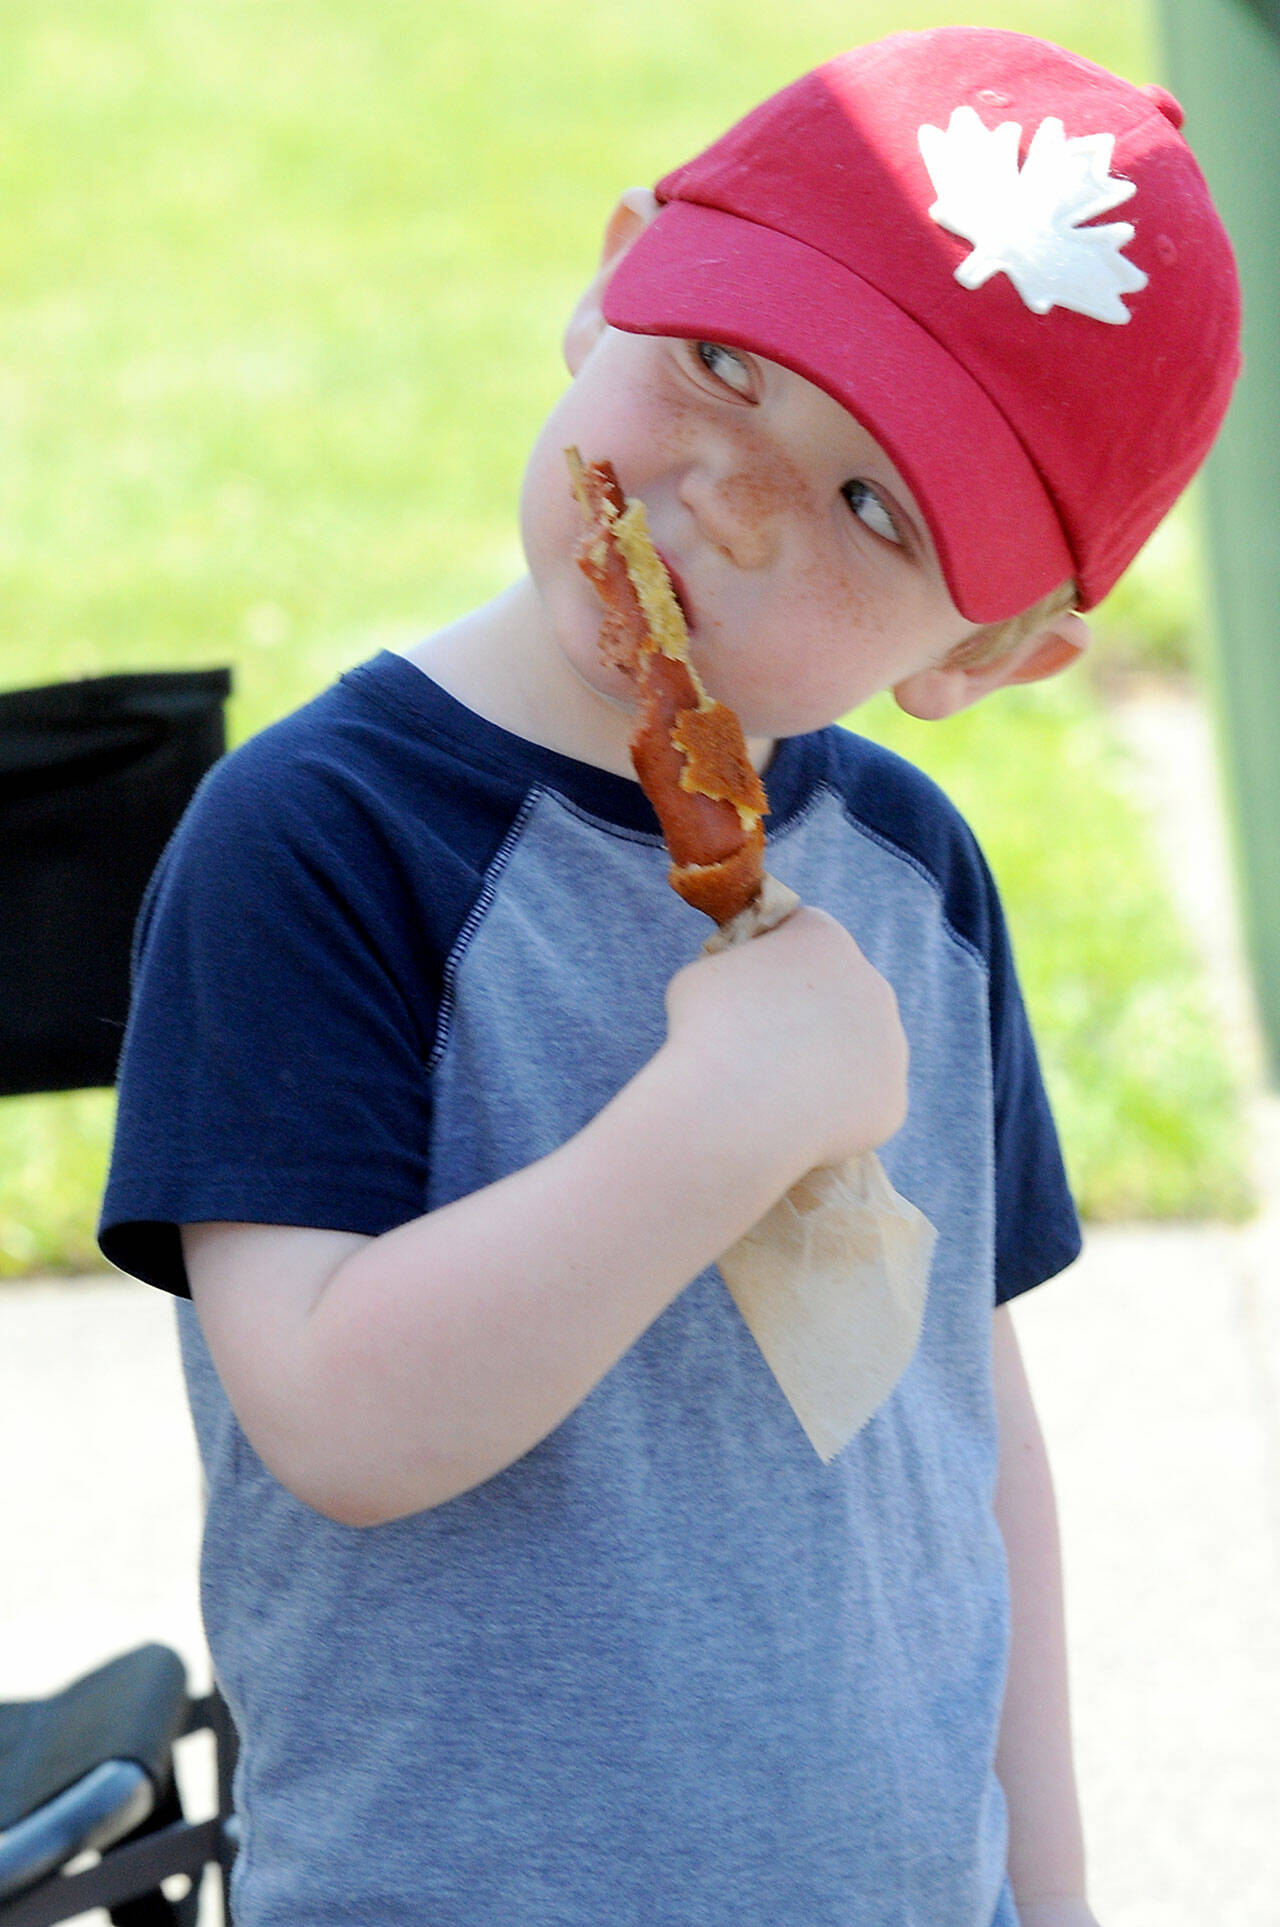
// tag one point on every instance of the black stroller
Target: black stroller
(93, 778)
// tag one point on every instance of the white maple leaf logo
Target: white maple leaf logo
(1026, 222)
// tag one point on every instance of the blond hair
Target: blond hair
(998, 639)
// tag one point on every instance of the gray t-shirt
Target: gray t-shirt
(667, 1668)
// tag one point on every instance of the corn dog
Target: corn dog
(688, 750)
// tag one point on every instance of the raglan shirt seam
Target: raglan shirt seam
(473, 922)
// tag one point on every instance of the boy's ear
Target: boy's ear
(628, 221)
(952, 685)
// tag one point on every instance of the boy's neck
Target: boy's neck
(498, 662)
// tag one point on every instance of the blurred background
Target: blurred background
(281, 289)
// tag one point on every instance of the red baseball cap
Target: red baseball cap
(913, 227)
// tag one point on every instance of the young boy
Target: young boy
(530, 1598)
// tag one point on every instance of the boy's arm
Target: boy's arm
(1034, 1760)
(377, 1377)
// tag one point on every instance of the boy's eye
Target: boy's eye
(726, 365)
(868, 507)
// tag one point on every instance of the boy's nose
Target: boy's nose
(737, 509)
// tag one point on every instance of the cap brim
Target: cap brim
(698, 271)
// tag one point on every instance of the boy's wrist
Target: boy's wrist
(731, 1121)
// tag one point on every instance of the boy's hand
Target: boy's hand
(800, 1036)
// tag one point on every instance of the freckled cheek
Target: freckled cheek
(833, 621)
(550, 519)
(786, 665)
(630, 420)
(764, 487)
(650, 435)
(836, 607)
(831, 652)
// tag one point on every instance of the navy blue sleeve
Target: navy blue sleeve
(1037, 1231)
(285, 992)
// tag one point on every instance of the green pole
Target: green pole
(1222, 60)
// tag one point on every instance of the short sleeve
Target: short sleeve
(274, 1066)
(1037, 1230)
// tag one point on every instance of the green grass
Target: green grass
(281, 287)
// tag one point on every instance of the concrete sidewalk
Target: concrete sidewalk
(1155, 1367)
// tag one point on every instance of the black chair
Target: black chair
(94, 776)
(90, 1770)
